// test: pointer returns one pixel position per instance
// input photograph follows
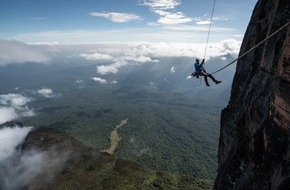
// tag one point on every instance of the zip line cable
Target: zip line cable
(260, 43)
(209, 28)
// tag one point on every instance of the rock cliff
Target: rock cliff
(254, 151)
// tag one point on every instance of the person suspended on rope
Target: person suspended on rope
(200, 71)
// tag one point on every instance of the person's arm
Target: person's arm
(202, 62)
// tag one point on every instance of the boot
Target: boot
(214, 80)
(217, 82)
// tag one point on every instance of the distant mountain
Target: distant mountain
(50, 159)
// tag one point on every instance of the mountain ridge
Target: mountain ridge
(58, 161)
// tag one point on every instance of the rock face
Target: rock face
(254, 151)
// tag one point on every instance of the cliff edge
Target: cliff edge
(254, 151)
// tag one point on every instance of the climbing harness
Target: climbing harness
(260, 43)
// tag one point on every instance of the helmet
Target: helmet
(197, 60)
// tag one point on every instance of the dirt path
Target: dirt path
(115, 137)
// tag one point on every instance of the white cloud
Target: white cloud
(123, 61)
(14, 100)
(18, 52)
(10, 138)
(19, 168)
(80, 83)
(163, 8)
(13, 106)
(96, 56)
(199, 28)
(47, 93)
(161, 4)
(203, 22)
(116, 17)
(172, 70)
(139, 59)
(159, 33)
(112, 68)
(100, 80)
(168, 18)
(126, 54)
(7, 114)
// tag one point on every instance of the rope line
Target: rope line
(209, 29)
(268, 37)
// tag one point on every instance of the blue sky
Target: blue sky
(74, 21)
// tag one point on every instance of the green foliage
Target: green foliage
(165, 131)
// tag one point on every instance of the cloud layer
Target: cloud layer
(123, 55)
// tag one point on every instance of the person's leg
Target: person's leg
(206, 81)
(205, 77)
(213, 79)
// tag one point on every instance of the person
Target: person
(200, 71)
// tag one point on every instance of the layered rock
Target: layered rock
(254, 151)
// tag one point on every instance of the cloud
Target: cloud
(161, 4)
(126, 54)
(100, 80)
(81, 84)
(47, 93)
(168, 18)
(203, 22)
(18, 168)
(157, 33)
(18, 52)
(116, 17)
(10, 139)
(7, 114)
(172, 70)
(13, 106)
(121, 62)
(96, 56)
(14, 100)
(163, 8)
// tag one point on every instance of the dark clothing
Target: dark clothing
(199, 71)
(198, 67)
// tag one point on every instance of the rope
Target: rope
(209, 29)
(274, 33)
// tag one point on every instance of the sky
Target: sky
(87, 21)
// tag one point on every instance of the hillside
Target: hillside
(254, 137)
(50, 159)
